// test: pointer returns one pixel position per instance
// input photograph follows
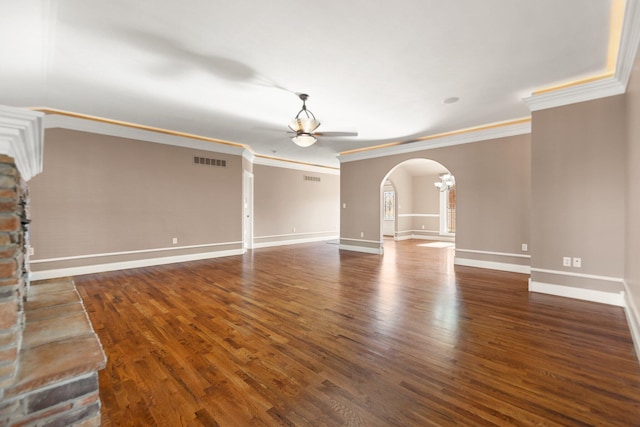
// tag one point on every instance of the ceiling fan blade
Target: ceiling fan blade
(335, 134)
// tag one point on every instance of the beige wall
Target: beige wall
(100, 194)
(426, 202)
(403, 183)
(632, 249)
(578, 177)
(284, 200)
(493, 181)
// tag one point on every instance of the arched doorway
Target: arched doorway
(424, 201)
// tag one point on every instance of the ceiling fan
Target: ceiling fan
(305, 124)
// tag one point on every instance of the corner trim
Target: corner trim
(610, 298)
(22, 138)
(492, 265)
(99, 268)
(633, 318)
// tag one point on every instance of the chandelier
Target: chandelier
(304, 124)
(446, 183)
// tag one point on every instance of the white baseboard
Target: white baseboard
(633, 319)
(492, 265)
(611, 298)
(292, 241)
(364, 249)
(113, 266)
(437, 238)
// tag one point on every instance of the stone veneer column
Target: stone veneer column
(49, 353)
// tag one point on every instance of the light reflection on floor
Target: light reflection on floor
(440, 307)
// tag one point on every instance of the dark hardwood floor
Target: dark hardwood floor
(306, 335)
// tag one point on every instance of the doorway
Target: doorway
(389, 209)
(247, 210)
(418, 199)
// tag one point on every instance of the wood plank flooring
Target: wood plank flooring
(306, 335)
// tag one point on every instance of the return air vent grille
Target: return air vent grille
(209, 162)
(312, 178)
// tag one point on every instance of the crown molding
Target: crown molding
(465, 136)
(603, 88)
(131, 131)
(250, 156)
(629, 41)
(608, 85)
(22, 138)
(289, 164)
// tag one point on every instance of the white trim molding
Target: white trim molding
(473, 251)
(22, 138)
(379, 250)
(482, 134)
(611, 298)
(629, 41)
(419, 215)
(492, 265)
(570, 95)
(633, 318)
(52, 121)
(277, 163)
(581, 275)
(99, 268)
(364, 249)
(138, 251)
(435, 236)
(291, 241)
(615, 84)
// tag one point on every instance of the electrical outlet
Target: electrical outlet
(525, 247)
(577, 262)
(344, 206)
(31, 251)
(423, 226)
(566, 261)
(175, 240)
(362, 234)
(293, 229)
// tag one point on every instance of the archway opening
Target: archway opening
(418, 196)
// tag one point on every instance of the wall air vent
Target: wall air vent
(312, 178)
(209, 162)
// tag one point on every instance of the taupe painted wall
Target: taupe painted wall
(426, 202)
(493, 182)
(403, 183)
(101, 194)
(632, 249)
(578, 181)
(283, 200)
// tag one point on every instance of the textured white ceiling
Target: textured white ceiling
(230, 70)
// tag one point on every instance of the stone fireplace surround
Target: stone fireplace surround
(49, 354)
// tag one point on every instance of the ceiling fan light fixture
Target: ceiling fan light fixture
(304, 139)
(304, 124)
